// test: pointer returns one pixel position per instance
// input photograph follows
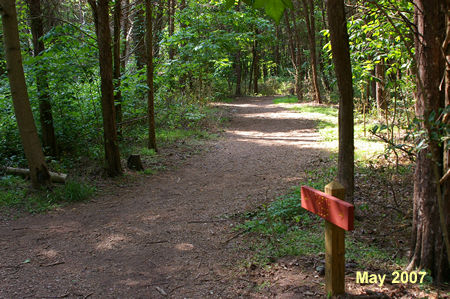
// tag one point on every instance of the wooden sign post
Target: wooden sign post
(338, 216)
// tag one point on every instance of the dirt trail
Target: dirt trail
(172, 234)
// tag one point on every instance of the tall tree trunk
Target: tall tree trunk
(238, 69)
(255, 65)
(139, 33)
(112, 155)
(27, 128)
(323, 59)
(159, 24)
(45, 108)
(337, 23)
(116, 61)
(276, 50)
(250, 72)
(125, 28)
(427, 236)
(446, 162)
(150, 100)
(308, 12)
(295, 53)
(298, 57)
(171, 4)
(379, 89)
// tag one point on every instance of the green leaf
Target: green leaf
(229, 4)
(273, 8)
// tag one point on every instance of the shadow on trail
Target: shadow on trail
(174, 233)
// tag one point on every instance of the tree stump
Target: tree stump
(134, 162)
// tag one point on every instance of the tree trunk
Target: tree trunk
(238, 73)
(45, 108)
(298, 57)
(294, 51)
(250, 73)
(112, 155)
(323, 57)
(379, 88)
(308, 12)
(125, 28)
(276, 50)
(255, 65)
(116, 61)
(337, 23)
(427, 236)
(138, 34)
(159, 24)
(171, 28)
(27, 128)
(446, 160)
(150, 100)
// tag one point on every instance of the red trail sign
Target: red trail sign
(331, 208)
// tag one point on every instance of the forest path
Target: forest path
(172, 234)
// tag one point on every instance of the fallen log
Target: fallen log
(55, 177)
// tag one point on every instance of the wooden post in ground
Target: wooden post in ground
(334, 248)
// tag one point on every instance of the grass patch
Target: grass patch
(15, 193)
(286, 100)
(168, 135)
(366, 146)
(149, 171)
(280, 229)
(145, 151)
(325, 110)
(226, 100)
(283, 228)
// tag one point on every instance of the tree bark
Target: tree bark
(276, 50)
(379, 88)
(337, 23)
(150, 99)
(295, 54)
(299, 74)
(159, 24)
(116, 61)
(238, 69)
(446, 159)
(255, 64)
(45, 107)
(427, 236)
(308, 12)
(27, 128)
(323, 59)
(112, 155)
(171, 4)
(139, 34)
(125, 28)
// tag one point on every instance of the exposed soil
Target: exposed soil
(171, 234)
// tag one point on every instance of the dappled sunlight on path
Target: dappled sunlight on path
(172, 233)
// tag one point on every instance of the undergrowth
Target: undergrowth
(15, 193)
(283, 228)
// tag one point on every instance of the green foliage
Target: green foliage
(273, 8)
(283, 228)
(15, 193)
(147, 152)
(272, 86)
